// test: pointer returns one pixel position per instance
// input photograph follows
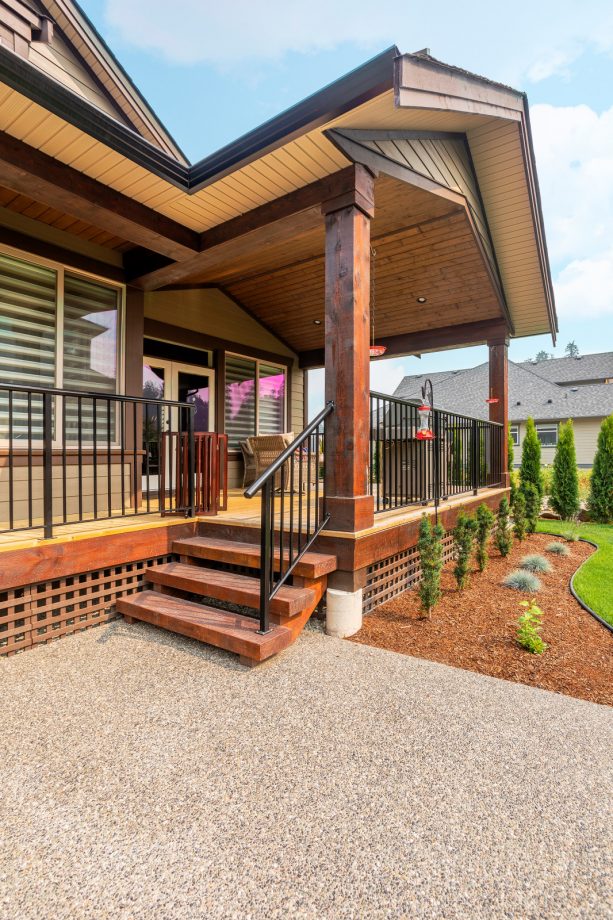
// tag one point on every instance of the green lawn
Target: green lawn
(594, 582)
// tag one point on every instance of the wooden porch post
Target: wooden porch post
(347, 360)
(499, 386)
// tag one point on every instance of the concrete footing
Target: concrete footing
(343, 612)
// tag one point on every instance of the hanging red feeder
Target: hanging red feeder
(425, 432)
(377, 350)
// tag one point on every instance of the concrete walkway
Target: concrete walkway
(145, 776)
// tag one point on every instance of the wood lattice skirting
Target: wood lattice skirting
(39, 613)
(389, 577)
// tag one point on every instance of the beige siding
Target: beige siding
(586, 437)
(297, 400)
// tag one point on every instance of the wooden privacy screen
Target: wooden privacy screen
(41, 612)
(389, 577)
(210, 469)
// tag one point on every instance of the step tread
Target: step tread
(230, 631)
(228, 586)
(312, 565)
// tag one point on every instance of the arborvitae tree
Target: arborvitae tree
(484, 524)
(519, 515)
(464, 537)
(502, 535)
(600, 501)
(430, 546)
(533, 506)
(530, 469)
(510, 449)
(564, 498)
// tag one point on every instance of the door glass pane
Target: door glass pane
(194, 388)
(154, 380)
(271, 392)
(239, 399)
(90, 354)
(27, 342)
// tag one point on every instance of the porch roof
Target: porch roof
(70, 156)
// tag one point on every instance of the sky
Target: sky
(215, 70)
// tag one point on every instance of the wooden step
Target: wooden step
(312, 565)
(228, 586)
(225, 630)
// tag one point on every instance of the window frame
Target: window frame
(61, 269)
(268, 363)
(548, 427)
(514, 430)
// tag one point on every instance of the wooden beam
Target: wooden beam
(412, 343)
(347, 333)
(270, 223)
(166, 332)
(30, 172)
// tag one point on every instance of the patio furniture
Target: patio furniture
(248, 463)
(266, 449)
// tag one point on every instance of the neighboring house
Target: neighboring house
(550, 392)
(157, 318)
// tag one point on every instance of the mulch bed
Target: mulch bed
(475, 629)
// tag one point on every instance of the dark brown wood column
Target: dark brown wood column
(499, 386)
(347, 268)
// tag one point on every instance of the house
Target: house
(157, 318)
(550, 392)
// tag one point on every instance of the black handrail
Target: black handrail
(275, 569)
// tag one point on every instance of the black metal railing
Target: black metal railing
(465, 454)
(71, 456)
(293, 510)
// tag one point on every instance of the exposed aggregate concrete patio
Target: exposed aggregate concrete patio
(147, 776)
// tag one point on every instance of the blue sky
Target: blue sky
(217, 70)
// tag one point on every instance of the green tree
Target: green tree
(430, 546)
(519, 515)
(510, 449)
(572, 350)
(484, 523)
(543, 356)
(530, 469)
(502, 535)
(600, 501)
(533, 506)
(564, 498)
(464, 538)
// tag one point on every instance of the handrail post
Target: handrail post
(436, 447)
(191, 462)
(265, 554)
(475, 456)
(47, 466)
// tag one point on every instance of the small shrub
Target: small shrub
(521, 580)
(535, 563)
(600, 501)
(529, 628)
(572, 533)
(564, 498)
(464, 537)
(484, 523)
(533, 506)
(430, 546)
(519, 516)
(502, 535)
(557, 548)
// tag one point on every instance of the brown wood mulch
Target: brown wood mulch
(475, 629)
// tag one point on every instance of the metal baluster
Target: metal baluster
(109, 477)
(80, 455)
(47, 465)
(30, 459)
(11, 496)
(95, 449)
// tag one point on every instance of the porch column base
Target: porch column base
(343, 612)
(350, 513)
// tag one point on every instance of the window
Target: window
(254, 398)
(57, 329)
(547, 435)
(514, 429)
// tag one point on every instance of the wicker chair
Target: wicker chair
(266, 448)
(249, 473)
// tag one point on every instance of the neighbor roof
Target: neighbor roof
(563, 370)
(530, 395)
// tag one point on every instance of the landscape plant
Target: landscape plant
(530, 469)
(464, 538)
(522, 580)
(535, 563)
(430, 547)
(529, 628)
(519, 516)
(600, 501)
(484, 521)
(502, 534)
(533, 506)
(557, 548)
(564, 497)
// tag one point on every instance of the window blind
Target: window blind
(239, 399)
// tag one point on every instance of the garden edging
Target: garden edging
(572, 581)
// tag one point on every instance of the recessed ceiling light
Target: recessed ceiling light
(422, 299)
(317, 322)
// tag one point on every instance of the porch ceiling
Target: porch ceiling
(425, 246)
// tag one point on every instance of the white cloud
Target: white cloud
(538, 40)
(584, 288)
